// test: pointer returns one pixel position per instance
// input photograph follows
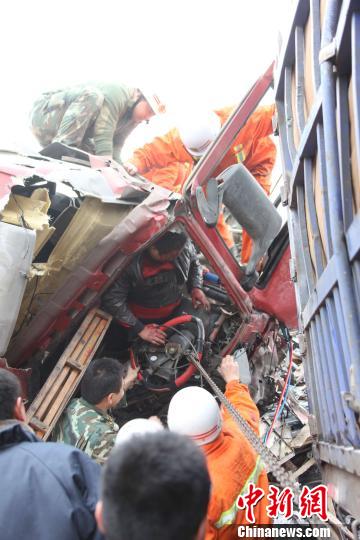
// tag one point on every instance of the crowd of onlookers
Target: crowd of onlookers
(156, 483)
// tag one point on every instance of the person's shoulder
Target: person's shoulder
(57, 456)
(70, 467)
(90, 419)
(116, 90)
(82, 412)
(80, 405)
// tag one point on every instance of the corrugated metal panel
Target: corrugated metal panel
(318, 100)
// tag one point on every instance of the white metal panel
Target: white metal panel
(16, 253)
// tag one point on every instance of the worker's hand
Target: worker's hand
(130, 378)
(229, 369)
(153, 334)
(130, 168)
(199, 299)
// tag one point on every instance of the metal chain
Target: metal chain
(270, 461)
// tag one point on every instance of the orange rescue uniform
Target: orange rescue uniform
(166, 162)
(232, 465)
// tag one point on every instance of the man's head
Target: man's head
(102, 384)
(168, 247)
(11, 403)
(155, 486)
(147, 106)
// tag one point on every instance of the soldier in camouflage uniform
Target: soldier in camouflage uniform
(96, 118)
(86, 423)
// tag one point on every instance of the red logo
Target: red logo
(281, 502)
(248, 501)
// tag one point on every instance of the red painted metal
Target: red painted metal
(218, 255)
(255, 324)
(208, 239)
(278, 297)
(196, 225)
(83, 288)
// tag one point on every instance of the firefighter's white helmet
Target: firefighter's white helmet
(198, 131)
(154, 101)
(194, 412)
(137, 426)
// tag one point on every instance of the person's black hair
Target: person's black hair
(155, 486)
(10, 390)
(102, 377)
(170, 241)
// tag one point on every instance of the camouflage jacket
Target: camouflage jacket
(87, 428)
(114, 122)
(105, 108)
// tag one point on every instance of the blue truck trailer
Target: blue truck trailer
(318, 103)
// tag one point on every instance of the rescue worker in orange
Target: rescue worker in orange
(231, 460)
(168, 160)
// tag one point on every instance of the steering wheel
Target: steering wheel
(190, 370)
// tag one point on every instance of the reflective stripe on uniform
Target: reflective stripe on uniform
(239, 153)
(228, 517)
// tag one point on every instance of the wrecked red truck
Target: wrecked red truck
(80, 221)
(93, 236)
(71, 226)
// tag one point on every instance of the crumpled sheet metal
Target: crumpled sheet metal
(112, 185)
(146, 220)
(6, 183)
(140, 225)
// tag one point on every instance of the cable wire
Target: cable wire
(282, 396)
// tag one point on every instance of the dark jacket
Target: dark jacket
(48, 490)
(156, 291)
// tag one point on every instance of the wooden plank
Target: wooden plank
(320, 213)
(59, 375)
(81, 344)
(66, 375)
(68, 389)
(73, 375)
(73, 364)
(38, 425)
(50, 389)
(354, 158)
